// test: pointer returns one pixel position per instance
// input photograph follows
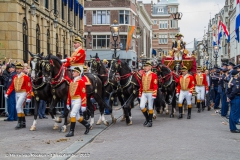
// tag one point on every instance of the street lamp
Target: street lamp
(33, 9)
(177, 15)
(216, 49)
(55, 21)
(114, 28)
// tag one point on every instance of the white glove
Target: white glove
(228, 100)
(68, 107)
(6, 96)
(175, 49)
(63, 60)
(190, 94)
(206, 92)
(153, 98)
(177, 95)
(28, 100)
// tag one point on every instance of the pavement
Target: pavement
(205, 136)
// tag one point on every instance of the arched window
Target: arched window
(57, 43)
(38, 50)
(25, 40)
(48, 42)
(64, 52)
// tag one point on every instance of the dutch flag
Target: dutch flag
(237, 20)
(226, 33)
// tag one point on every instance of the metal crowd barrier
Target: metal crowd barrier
(30, 106)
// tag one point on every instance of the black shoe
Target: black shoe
(8, 120)
(149, 124)
(70, 134)
(227, 116)
(238, 123)
(203, 109)
(217, 108)
(23, 123)
(199, 110)
(180, 116)
(189, 117)
(235, 131)
(40, 118)
(87, 128)
(45, 117)
(209, 108)
(145, 123)
(19, 123)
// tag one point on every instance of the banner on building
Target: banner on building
(129, 36)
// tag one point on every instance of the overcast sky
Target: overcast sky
(196, 15)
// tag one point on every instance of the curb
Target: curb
(77, 145)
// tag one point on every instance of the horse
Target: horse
(57, 75)
(41, 89)
(109, 86)
(168, 82)
(129, 84)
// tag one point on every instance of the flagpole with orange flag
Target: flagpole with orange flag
(129, 36)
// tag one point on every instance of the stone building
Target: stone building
(21, 31)
(164, 26)
(99, 15)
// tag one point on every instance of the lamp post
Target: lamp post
(33, 9)
(114, 28)
(55, 21)
(216, 49)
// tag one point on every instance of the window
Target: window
(160, 10)
(163, 24)
(173, 10)
(48, 41)
(173, 23)
(101, 17)
(101, 42)
(123, 17)
(133, 20)
(154, 21)
(123, 42)
(57, 43)
(25, 41)
(62, 10)
(172, 35)
(46, 4)
(85, 18)
(163, 39)
(38, 39)
(55, 6)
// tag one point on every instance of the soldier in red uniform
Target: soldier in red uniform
(78, 56)
(148, 92)
(184, 91)
(77, 99)
(201, 86)
(21, 83)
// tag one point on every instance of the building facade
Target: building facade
(21, 31)
(226, 51)
(164, 26)
(99, 16)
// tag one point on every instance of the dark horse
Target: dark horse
(129, 84)
(109, 86)
(41, 89)
(56, 74)
(168, 86)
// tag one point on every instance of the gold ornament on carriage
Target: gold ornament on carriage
(116, 65)
(43, 64)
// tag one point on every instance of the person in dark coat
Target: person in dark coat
(11, 101)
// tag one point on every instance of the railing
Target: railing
(30, 106)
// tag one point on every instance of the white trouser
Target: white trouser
(76, 106)
(201, 92)
(20, 99)
(146, 97)
(178, 58)
(185, 94)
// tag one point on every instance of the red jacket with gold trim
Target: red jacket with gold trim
(186, 84)
(77, 59)
(201, 80)
(21, 84)
(77, 90)
(149, 84)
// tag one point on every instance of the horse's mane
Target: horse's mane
(55, 58)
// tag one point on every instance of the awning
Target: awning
(130, 55)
